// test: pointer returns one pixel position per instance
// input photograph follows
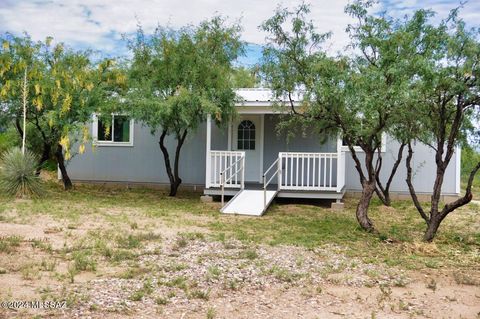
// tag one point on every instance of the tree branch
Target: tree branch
(416, 202)
(462, 200)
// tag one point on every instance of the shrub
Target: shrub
(8, 139)
(83, 261)
(17, 173)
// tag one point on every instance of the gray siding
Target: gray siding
(144, 162)
(423, 164)
(275, 143)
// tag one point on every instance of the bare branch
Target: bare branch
(448, 208)
(411, 188)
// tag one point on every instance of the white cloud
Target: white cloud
(99, 24)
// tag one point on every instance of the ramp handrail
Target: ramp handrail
(242, 176)
(267, 182)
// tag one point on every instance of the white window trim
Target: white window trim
(96, 142)
(358, 149)
(247, 140)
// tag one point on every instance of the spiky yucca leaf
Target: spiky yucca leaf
(17, 173)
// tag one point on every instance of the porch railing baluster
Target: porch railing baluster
(317, 170)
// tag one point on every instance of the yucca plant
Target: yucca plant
(17, 173)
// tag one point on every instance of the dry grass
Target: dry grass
(61, 242)
(310, 224)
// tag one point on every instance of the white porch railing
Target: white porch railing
(226, 166)
(312, 171)
(227, 175)
(340, 171)
(293, 171)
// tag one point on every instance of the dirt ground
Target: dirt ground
(271, 282)
(99, 253)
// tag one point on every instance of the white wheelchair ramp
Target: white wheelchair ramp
(249, 202)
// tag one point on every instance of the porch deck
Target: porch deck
(230, 192)
(297, 175)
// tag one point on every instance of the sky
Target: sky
(100, 24)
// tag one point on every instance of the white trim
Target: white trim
(340, 144)
(258, 146)
(358, 149)
(229, 132)
(96, 142)
(259, 108)
(458, 164)
(208, 170)
(262, 126)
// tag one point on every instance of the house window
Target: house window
(246, 135)
(118, 130)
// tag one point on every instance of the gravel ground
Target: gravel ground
(188, 273)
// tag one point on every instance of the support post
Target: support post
(264, 193)
(338, 205)
(243, 171)
(222, 181)
(458, 161)
(339, 161)
(229, 135)
(279, 170)
(208, 162)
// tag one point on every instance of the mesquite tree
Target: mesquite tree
(178, 77)
(356, 96)
(447, 90)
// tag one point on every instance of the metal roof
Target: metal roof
(262, 95)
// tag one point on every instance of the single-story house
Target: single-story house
(248, 160)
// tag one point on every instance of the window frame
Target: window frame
(96, 142)
(249, 140)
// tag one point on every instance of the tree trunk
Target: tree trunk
(47, 149)
(431, 231)
(368, 188)
(178, 180)
(67, 183)
(384, 192)
(173, 176)
(437, 217)
(384, 196)
(45, 157)
(18, 126)
(387, 200)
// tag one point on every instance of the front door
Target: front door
(248, 137)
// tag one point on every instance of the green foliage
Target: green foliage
(359, 94)
(470, 158)
(447, 84)
(83, 261)
(17, 173)
(445, 109)
(178, 77)
(8, 139)
(64, 88)
(244, 77)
